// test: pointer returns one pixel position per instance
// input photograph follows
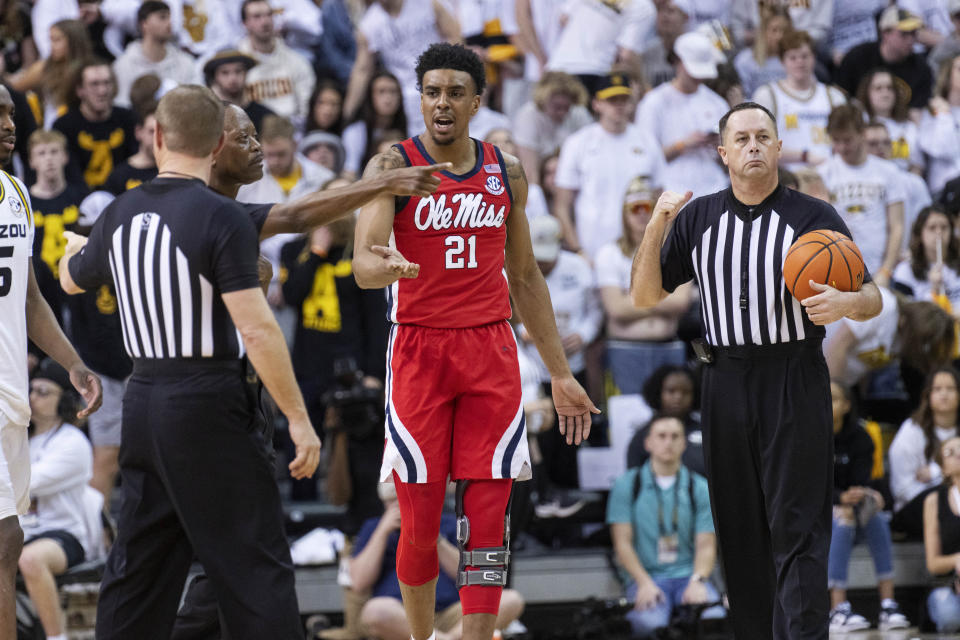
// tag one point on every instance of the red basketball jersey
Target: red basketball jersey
(457, 236)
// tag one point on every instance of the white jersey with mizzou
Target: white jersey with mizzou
(16, 248)
(801, 120)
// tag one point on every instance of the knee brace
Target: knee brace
(483, 536)
(420, 507)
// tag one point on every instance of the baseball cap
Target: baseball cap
(900, 19)
(698, 55)
(545, 236)
(92, 206)
(48, 369)
(612, 84)
(225, 56)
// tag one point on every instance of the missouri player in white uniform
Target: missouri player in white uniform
(23, 312)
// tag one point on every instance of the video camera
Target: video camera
(358, 408)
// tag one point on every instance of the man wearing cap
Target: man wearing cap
(155, 52)
(893, 52)
(325, 149)
(226, 75)
(596, 165)
(672, 19)
(681, 116)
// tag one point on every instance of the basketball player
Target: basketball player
(453, 382)
(23, 312)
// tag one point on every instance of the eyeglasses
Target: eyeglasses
(43, 392)
(636, 208)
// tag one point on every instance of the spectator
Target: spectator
(383, 109)
(541, 126)
(326, 107)
(949, 47)
(916, 195)
(936, 20)
(397, 30)
(373, 570)
(538, 29)
(53, 78)
(939, 136)
(893, 52)
(325, 149)
(857, 514)
(672, 20)
(61, 529)
(866, 191)
(760, 64)
(283, 79)
(854, 23)
(941, 539)
(638, 341)
(596, 165)
(672, 391)
(99, 134)
(682, 117)
(335, 52)
(914, 471)
(800, 103)
(885, 100)
(548, 180)
(668, 558)
(226, 75)
(932, 271)
(812, 16)
(596, 35)
(17, 49)
(155, 52)
(141, 166)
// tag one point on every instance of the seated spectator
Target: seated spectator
(662, 530)
(672, 391)
(885, 100)
(672, 20)
(950, 45)
(638, 340)
(325, 149)
(941, 539)
(914, 471)
(373, 570)
(326, 107)
(801, 104)
(939, 136)
(382, 110)
(60, 530)
(226, 75)
(854, 23)
(558, 109)
(933, 270)
(760, 64)
(857, 515)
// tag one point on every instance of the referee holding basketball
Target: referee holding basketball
(766, 406)
(183, 260)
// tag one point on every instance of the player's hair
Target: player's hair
(191, 120)
(276, 127)
(243, 8)
(923, 416)
(149, 7)
(46, 136)
(919, 264)
(794, 39)
(442, 55)
(558, 82)
(845, 117)
(901, 90)
(745, 106)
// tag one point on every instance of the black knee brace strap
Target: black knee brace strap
(489, 564)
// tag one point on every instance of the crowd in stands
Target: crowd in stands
(606, 103)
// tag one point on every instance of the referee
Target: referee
(766, 406)
(183, 260)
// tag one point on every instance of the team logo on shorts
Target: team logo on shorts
(494, 186)
(15, 206)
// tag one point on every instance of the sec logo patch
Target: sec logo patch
(494, 186)
(15, 206)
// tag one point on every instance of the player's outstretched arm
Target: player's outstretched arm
(830, 304)
(532, 300)
(376, 265)
(43, 329)
(323, 207)
(646, 280)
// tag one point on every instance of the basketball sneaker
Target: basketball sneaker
(891, 618)
(843, 619)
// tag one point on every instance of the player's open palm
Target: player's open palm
(394, 262)
(307, 446)
(415, 181)
(573, 409)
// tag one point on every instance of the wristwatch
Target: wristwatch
(697, 578)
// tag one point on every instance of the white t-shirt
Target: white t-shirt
(874, 345)
(861, 195)
(907, 456)
(176, 65)
(400, 41)
(595, 28)
(906, 149)
(282, 80)
(486, 121)
(935, 14)
(474, 14)
(599, 166)
(753, 75)
(612, 267)
(668, 116)
(854, 23)
(16, 248)
(545, 15)
(921, 287)
(707, 10)
(801, 120)
(354, 141)
(916, 196)
(535, 130)
(939, 138)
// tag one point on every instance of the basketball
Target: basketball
(824, 256)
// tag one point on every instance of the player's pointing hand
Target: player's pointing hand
(414, 181)
(395, 263)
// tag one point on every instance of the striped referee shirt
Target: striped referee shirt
(735, 252)
(171, 248)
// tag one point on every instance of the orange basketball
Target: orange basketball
(824, 256)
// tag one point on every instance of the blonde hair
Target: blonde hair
(760, 53)
(558, 82)
(638, 185)
(276, 127)
(190, 118)
(45, 136)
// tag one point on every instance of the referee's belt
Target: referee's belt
(708, 353)
(165, 367)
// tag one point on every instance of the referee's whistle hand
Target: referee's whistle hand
(307, 446)
(827, 306)
(670, 203)
(573, 409)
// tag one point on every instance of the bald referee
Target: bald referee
(183, 262)
(766, 406)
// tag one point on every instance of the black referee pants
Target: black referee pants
(196, 482)
(768, 440)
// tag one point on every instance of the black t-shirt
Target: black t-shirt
(126, 177)
(53, 216)
(173, 247)
(97, 147)
(257, 113)
(863, 58)
(852, 459)
(258, 213)
(96, 332)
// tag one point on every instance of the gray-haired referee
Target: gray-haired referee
(766, 406)
(183, 261)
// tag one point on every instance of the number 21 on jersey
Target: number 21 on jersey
(455, 250)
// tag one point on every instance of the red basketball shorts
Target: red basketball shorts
(453, 405)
